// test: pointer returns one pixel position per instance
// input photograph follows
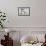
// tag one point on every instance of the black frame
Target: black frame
(23, 8)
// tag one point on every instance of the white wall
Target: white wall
(37, 16)
(35, 22)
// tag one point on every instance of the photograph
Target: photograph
(23, 11)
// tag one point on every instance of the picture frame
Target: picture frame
(23, 11)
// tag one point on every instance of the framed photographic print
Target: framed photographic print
(23, 11)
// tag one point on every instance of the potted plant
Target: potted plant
(2, 19)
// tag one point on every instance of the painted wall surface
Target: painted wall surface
(35, 22)
(37, 16)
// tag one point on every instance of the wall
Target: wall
(35, 22)
(37, 16)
